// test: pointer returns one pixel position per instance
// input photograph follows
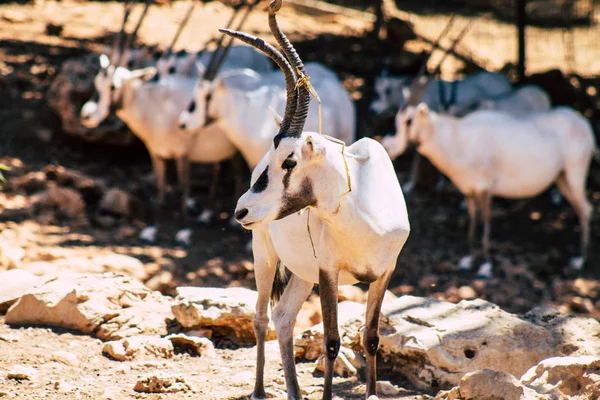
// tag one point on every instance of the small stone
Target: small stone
(66, 358)
(467, 293)
(386, 388)
(134, 347)
(21, 372)
(63, 386)
(162, 384)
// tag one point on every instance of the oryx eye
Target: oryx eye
(408, 122)
(112, 87)
(388, 92)
(172, 70)
(288, 164)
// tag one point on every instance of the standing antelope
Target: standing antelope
(491, 153)
(242, 109)
(150, 105)
(354, 228)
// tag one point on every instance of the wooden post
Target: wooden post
(521, 24)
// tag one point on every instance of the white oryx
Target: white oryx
(491, 153)
(353, 230)
(150, 105)
(392, 93)
(523, 100)
(243, 113)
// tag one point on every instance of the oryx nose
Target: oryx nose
(240, 214)
(182, 126)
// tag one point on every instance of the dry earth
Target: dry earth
(531, 246)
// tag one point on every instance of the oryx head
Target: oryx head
(284, 180)
(396, 144)
(413, 126)
(388, 96)
(108, 95)
(195, 116)
(112, 75)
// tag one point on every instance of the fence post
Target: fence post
(521, 24)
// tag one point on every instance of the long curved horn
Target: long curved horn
(212, 62)
(181, 26)
(286, 68)
(127, 7)
(133, 34)
(225, 49)
(303, 102)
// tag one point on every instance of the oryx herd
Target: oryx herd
(326, 207)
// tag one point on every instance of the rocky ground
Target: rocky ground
(53, 222)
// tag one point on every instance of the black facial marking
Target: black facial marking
(409, 122)
(130, 64)
(105, 72)
(172, 70)
(96, 96)
(157, 54)
(181, 53)
(388, 92)
(262, 182)
(192, 106)
(155, 78)
(293, 202)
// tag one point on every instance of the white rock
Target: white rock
(139, 347)
(196, 346)
(14, 284)
(386, 388)
(65, 357)
(196, 307)
(148, 234)
(465, 263)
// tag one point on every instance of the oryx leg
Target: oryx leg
(183, 178)
(371, 337)
(207, 214)
(284, 317)
(573, 189)
(148, 234)
(265, 265)
(183, 183)
(159, 167)
(466, 262)
(414, 174)
(328, 291)
(485, 205)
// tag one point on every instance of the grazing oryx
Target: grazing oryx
(391, 93)
(523, 100)
(353, 230)
(490, 153)
(243, 113)
(150, 105)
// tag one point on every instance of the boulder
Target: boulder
(195, 346)
(562, 377)
(121, 263)
(109, 305)
(228, 312)
(576, 336)
(434, 342)
(14, 284)
(65, 202)
(490, 385)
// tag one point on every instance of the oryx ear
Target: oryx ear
(143, 74)
(201, 68)
(312, 148)
(104, 61)
(276, 117)
(406, 93)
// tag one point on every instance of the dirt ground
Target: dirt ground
(531, 246)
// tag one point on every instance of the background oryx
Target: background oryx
(491, 153)
(356, 215)
(241, 109)
(150, 105)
